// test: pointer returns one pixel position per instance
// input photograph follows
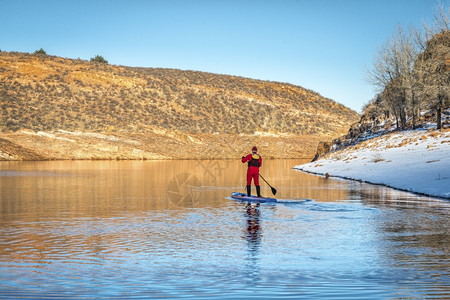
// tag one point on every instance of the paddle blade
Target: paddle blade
(274, 191)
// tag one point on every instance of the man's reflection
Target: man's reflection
(253, 232)
(253, 237)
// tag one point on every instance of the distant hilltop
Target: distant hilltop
(59, 108)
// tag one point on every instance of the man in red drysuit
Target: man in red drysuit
(254, 163)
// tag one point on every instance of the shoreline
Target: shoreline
(417, 162)
(148, 159)
(445, 198)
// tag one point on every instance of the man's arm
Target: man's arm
(246, 158)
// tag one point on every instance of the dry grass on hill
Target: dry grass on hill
(40, 93)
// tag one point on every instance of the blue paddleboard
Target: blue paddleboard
(244, 197)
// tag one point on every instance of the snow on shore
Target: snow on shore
(416, 161)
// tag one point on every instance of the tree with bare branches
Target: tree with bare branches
(433, 65)
(412, 70)
(393, 74)
(434, 68)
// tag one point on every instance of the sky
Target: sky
(321, 45)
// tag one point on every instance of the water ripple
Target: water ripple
(116, 238)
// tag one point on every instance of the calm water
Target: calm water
(166, 229)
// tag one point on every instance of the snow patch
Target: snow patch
(417, 161)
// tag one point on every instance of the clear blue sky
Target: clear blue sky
(322, 45)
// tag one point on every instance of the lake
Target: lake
(168, 229)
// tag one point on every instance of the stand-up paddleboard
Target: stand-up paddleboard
(244, 197)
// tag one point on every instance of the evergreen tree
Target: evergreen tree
(40, 51)
(100, 59)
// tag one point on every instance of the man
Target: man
(254, 163)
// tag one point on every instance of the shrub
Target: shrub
(100, 59)
(40, 51)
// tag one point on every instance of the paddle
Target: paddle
(274, 191)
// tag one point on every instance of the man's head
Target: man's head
(254, 149)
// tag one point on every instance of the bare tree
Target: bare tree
(411, 70)
(440, 22)
(432, 66)
(393, 75)
(438, 80)
(412, 85)
(434, 69)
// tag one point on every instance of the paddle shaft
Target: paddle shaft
(274, 191)
(264, 179)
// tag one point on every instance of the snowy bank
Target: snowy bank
(416, 161)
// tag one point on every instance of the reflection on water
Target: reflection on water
(253, 232)
(252, 235)
(150, 229)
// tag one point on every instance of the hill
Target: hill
(59, 108)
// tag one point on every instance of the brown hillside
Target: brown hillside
(58, 107)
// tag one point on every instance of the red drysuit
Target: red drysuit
(254, 162)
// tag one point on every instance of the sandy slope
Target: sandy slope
(417, 161)
(159, 144)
